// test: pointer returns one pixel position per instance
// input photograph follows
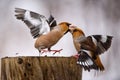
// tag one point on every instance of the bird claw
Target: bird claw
(55, 51)
(76, 56)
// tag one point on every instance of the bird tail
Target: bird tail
(99, 64)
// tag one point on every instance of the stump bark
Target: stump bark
(40, 68)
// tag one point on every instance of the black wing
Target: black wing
(52, 22)
(103, 43)
(96, 43)
(37, 23)
(86, 61)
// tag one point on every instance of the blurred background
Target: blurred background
(92, 16)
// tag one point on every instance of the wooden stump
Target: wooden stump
(40, 68)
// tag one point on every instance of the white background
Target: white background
(92, 16)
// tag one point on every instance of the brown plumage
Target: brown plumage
(89, 48)
(77, 33)
(51, 38)
(99, 63)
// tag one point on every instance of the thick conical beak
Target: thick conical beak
(71, 28)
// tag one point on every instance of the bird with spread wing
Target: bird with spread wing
(89, 48)
(47, 32)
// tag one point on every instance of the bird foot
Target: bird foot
(55, 51)
(44, 51)
(76, 56)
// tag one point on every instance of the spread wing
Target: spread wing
(96, 43)
(86, 61)
(52, 22)
(38, 24)
(103, 43)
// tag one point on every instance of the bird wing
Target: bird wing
(38, 24)
(86, 43)
(96, 43)
(52, 22)
(103, 43)
(86, 61)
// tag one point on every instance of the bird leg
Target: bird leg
(49, 50)
(41, 51)
(76, 56)
(55, 51)
(44, 51)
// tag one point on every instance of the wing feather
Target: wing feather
(37, 23)
(86, 61)
(96, 43)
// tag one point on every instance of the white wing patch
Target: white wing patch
(85, 60)
(46, 28)
(94, 40)
(87, 51)
(32, 20)
(103, 38)
(89, 61)
(37, 23)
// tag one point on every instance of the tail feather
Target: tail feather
(99, 64)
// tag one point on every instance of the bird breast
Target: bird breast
(77, 45)
(48, 40)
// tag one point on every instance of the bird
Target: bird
(37, 23)
(90, 48)
(51, 38)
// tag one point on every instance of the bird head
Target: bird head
(64, 27)
(75, 31)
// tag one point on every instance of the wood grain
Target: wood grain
(40, 68)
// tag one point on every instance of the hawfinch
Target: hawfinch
(89, 48)
(52, 37)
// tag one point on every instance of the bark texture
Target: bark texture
(40, 68)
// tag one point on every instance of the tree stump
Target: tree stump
(40, 68)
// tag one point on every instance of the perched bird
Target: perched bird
(89, 48)
(38, 24)
(51, 38)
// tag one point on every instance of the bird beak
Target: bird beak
(71, 28)
(68, 24)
